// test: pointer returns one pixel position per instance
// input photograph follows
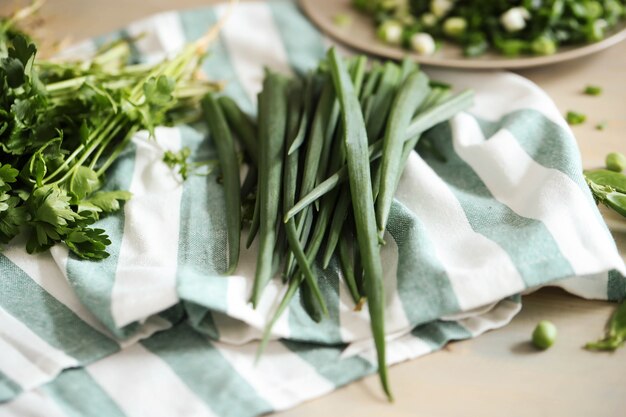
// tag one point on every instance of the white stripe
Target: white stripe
(145, 281)
(83, 50)
(500, 93)
(45, 270)
(242, 323)
(18, 368)
(536, 192)
(499, 316)
(280, 377)
(479, 270)
(24, 346)
(591, 287)
(353, 325)
(398, 349)
(32, 404)
(158, 36)
(141, 384)
(248, 35)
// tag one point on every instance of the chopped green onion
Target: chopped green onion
(593, 90)
(575, 118)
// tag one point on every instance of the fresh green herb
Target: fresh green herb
(575, 118)
(616, 161)
(593, 90)
(180, 162)
(544, 335)
(615, 333)
(63, 124)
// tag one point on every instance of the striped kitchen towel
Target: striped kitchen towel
(155, 330)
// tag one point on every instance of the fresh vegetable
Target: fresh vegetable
(609, 187)
(575, 118)
(63, 124)
(332, 145)
(230, 175)
(601, 126)
(544, 335)
(357, 155)
(272, 128)
(593, 90)
(423, 43)
(179, 160)
(616, 161)
(615, 332)
(390, 32)
(510, 27)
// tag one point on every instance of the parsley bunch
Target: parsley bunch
(62, 125)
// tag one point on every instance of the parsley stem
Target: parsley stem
(118, 149)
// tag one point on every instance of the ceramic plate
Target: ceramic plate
(360, 34)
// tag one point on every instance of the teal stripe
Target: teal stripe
(422, 281)
(79, 395)
(174, 314)
(206, 372)
(528, 242)
(302, 327)
(135, 55)
(202, 252)
(93, 282)
(9, 389)
(301, 40)
(48, 318)
(616, 290)
(544, 141)
(201, 319)
(436, 334)
(548, 144)
(327, 362)
(100, 41)
(217, 65)
(202, 247)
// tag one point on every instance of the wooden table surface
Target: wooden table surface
(498, 373)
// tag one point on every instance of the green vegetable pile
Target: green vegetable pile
(324, 161)
(512, 27)
(62, 125)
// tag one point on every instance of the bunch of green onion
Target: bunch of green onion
(324, 161)
(512, 27)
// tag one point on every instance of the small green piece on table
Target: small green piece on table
(616, 161)
(575, 118)
(544, 335)
(615, 333)
(593, 90)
